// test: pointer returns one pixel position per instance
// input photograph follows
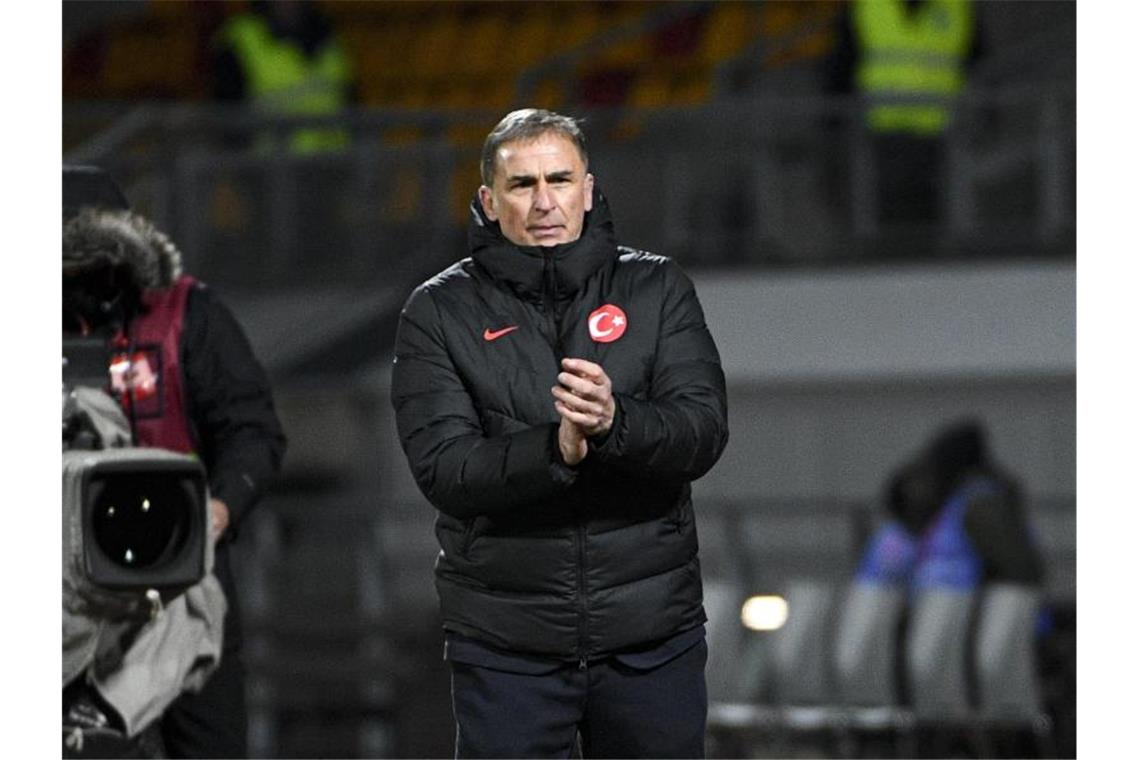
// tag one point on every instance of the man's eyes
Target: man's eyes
(561, 180)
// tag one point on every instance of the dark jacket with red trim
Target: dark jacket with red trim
(539, 557)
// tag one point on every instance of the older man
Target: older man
(555, 394)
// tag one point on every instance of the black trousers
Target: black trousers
(211, 723)
(619, 711)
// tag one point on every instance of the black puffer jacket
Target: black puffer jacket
(538, 557)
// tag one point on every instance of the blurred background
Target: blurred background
(872, 267)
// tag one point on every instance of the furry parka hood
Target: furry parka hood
(103, 238)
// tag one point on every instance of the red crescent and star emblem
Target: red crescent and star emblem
(607, 323)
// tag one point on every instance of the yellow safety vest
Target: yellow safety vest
(919, 53)
(281, 79)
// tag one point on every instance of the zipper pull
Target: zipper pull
(582, 664)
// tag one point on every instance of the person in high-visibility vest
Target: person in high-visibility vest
(907, 60)
(285, 58)
(911, 51)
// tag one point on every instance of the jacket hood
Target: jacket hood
(523, 268)
(106, 238)
(90, 186)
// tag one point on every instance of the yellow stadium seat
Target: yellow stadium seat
(529, 39)
(550, 94)
(485, 41)
(692, 88)
(650, 91)
(580, 25)
(435, 48)
(731, 26)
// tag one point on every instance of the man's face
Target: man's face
(540, 192)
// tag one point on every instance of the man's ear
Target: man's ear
(487, 200)
(589, 187)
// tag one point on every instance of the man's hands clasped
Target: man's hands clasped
(584, 399)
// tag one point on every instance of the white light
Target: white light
(129, 556)
(146, 505)
(764, 613)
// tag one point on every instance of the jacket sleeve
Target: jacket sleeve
(230, 405)
(460, 470)
(680, 430)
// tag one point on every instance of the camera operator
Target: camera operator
(188, 382)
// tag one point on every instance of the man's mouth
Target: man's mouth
(550, 230)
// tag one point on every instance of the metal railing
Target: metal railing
(739, 182)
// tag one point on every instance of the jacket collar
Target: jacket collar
(523, 268)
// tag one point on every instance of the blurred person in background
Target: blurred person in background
(957, 520)
(958, 524)
(907, 60)
(555, 395)
(189, 383)
(284, 59)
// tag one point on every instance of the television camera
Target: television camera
(138, 596)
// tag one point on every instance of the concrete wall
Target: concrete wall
(835, 376)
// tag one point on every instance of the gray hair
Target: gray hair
(528, 124)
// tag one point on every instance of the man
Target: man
(190, 383)
(908, 62)
(285, 58)
(556, 394)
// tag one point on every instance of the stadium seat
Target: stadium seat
(865, 646)
(936, 653)
(800, 648)
(937, 666)
(866, 672)
(1009, 692)
(722, 601)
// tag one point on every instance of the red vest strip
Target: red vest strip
(146, 373)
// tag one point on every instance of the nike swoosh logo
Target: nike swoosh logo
(490, 334)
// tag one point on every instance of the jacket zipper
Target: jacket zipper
(582, 643)
(549, 302)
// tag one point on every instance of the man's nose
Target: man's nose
(543, 198)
